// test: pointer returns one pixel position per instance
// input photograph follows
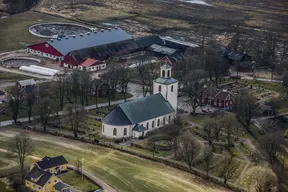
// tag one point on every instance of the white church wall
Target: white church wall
(107, 131)
(167, 93)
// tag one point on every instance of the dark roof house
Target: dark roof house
(49, 162)
(38, 176)
(139, 110)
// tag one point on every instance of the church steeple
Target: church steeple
(166, 85)
(165, 71)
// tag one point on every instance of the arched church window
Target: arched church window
(163, 73)
(168, 73)
(164, 120)
(114, 132)
(125, 132)
(169, 119)
(147, 125)
(153, 124)
(159, 88)
(103, 128)
(158, 122)
(172, 88)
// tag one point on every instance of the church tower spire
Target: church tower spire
(166, 85)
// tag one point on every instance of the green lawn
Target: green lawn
(122, 171)
(6, 76)
(75, 180)
(199, 119)
(14, 32)
(3, 187)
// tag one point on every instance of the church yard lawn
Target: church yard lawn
(75, 179)
(120, 170)
(3, 187)
(199, 119)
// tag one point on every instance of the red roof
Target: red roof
(90, 62)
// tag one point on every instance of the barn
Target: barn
(72, 51)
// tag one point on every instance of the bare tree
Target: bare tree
(285, 83)
(126, 75)
(228, 122)
(30, 101)
(260, 179)
(76, 114)
(228, 168)
(244, 106)
(208, 157)
(209, 126)
(60, 92)
(193, 88)
(146, 74)
(16, 98)
(22, 146)
(188, 149)
(45, 108)
(273, 145)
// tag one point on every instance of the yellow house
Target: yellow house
(54, 165)
(41, 181)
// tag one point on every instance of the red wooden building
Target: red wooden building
(220, 98)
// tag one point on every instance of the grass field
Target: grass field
(3, 187)
(122, 171)
(6, 76)
(14, 32)
(74, 179)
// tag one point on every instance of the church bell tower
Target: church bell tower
(166, 85)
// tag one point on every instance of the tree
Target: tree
(209, 126)
(22, 146)
(76, 114)
(228, 168)
(146, 74)
(188, 149)
(285, 83)
(126, 75)
(30, 101)
(214, 64)
(193, 88)
(60, 90)
(208, 157)
(45, 108)
(228, 122)
(273, 145)
(244, 106)
(260, 179)
(16, 98)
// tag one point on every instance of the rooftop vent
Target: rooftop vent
(66, 37)
(116, 27)
(74, 36)
(81, 34)
(88, 33)
(109, 29)
(102, 30)
(95, 31)
(51, 40)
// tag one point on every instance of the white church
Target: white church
(135, 118)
